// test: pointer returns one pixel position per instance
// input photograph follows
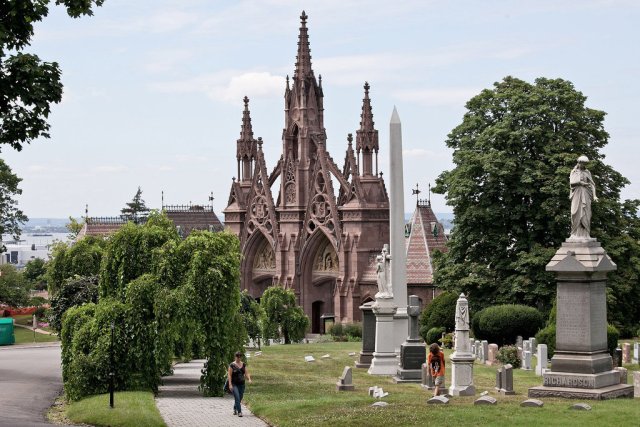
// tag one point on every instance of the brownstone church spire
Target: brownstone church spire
(246, 146)
(303, 60)
(367, 136)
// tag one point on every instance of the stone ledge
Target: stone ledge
(611, 392)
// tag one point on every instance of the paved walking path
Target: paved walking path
(181, 404)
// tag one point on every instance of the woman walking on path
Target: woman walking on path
(236, 375)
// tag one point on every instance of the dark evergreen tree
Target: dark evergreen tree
(136, 210)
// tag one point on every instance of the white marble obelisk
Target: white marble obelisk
(396, 222)
(462, 359)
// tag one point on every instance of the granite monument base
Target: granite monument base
(462, 376)
(609, 392)
(385, 360)
(364, 360)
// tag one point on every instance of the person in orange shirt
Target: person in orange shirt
(435, 361)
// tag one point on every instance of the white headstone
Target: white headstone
(636, 352)
(532, 340)
(326, 356)
(379, 404)
(485, 400)
(541, 359)
(526, 360)
(532, 403)
(309, 359)
(438, 400)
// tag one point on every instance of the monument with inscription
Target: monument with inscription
(581, 367)
(413, 352)
(462, 359)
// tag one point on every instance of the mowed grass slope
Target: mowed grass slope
(25, 336)
(287, 391)
(131, 409)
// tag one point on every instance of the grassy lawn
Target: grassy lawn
(131, 408)
(287, 391)
(25, 336)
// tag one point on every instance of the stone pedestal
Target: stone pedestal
(385, 361)
(368, 336)
(462, 359)
(413, 351)
(581, 366)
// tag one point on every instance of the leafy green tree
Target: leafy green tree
(130, 253)
(75, 227)
(281, 315)
(83, 258)
(28, 86)
(35, 272)
(251, 312)
(11, 218)
(14, 289)
(440, 313)
(136, 210)
(513, 153)
(75, 291)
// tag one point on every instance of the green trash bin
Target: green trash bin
(6, 331)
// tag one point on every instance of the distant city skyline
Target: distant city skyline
(154, 88)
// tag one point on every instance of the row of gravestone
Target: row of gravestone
(487, 353)
(626, 353)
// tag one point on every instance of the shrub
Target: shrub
(74, 292)
(547, 336)
(612, 338)
(353, 330)
(434, 334)
(501, 324)
(509, 354)
(447, 340)
(440, 313)
(336, 330)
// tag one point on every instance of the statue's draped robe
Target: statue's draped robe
(582, 193)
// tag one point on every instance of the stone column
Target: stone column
(385, 361)
(581, 366)
(368, 336)
(396, 231)
(462, 359)
(413, 351)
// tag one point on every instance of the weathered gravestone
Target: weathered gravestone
(438, 400)
(626, 352)
(485, 400)
(526, 360)
(636, 383)
(533, 344)
(499, 378)
(532, 403)
(309, 359)
(476, 348)
(541, 359)
(345, 382)
(427, 379)
(506, 382)
(519, 341)
(580, 407)
(462, 359)
(493, 353)
(413, 351)
(484, 345)
(368, 335)
(380, 404)
(636, 352)
(581, 365)
(624, 375)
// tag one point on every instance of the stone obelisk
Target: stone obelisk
(396, 222)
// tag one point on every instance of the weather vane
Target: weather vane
(416, 192)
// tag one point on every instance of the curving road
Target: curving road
(30, 380)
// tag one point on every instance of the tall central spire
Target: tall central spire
(303, 60)
(367, 135)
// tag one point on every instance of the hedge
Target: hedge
(501, 324)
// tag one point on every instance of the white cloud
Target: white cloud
(110, 169)
(227, 86)
(455, 96)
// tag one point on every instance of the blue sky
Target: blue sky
(154, 88)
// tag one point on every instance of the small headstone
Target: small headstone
(519, 341)
(526, 346)
(345, 382)
(325, 356)
(493, 353)
(636, 383)
(427, 379)
(248, 355)
(309, 359)
(532, 403)
(541, 359)
(438, 400)
(379, 404)
(485, 400)
(352, 353)
(258, 353)
(532, 340)
(507, 380)
(526, 360)
(484, 393)
(372, 390)
(623, 375)
(499, 374)
(626, 352)
(484, 355)
(617, 358)
(477, 346)
(580, 407)
(636, 352)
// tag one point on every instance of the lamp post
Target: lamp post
(111, 373)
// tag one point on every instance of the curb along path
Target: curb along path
(181, 404)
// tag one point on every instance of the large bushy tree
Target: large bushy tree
(513, 153)
(11, 218)
(282, 318)
(82, 258)
(14, 289)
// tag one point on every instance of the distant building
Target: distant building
(186, 218)
(19, 253)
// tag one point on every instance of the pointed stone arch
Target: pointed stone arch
(258, 263)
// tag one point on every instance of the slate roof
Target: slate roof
(425, 236)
